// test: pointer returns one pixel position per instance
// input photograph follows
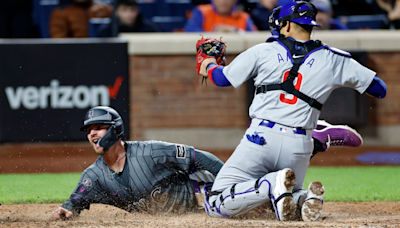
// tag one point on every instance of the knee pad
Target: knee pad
(239, 199)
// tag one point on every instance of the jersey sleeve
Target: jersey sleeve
(173, 156)
(243, 67)
(350, 73)
(377, 88)
(86, 192)
(207, 161)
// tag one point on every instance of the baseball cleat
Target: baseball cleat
(283, 202)
(312, 207)
(336, 135)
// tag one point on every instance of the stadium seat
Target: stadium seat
(41, 15)
(96, 24)
(365, 21)
(169, 15)
(107, 2)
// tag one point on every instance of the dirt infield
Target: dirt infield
(376, 214)
(76, 156)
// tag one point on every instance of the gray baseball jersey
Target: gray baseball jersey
(155, 179)
(322, 72)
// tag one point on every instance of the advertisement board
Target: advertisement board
(47, 86)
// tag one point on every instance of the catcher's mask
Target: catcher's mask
(300, 12)
(105, 115)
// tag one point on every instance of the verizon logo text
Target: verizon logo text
(57, 96)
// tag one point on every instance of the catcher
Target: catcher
(293, 76)
(324, 136)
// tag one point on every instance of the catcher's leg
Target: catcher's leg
(243, 197)
(326, 135)
(238, 199)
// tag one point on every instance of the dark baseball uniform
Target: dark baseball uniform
(155, 179)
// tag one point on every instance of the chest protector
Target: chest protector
(298, 52)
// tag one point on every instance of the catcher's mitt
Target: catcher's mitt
(210, 47)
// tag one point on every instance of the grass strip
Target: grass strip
(37, 188)
(357, 184)
(342, 184)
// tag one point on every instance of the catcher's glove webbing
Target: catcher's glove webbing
(210, 47)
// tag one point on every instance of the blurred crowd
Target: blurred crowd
(107, 18)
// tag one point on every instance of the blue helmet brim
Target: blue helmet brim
(306, 21)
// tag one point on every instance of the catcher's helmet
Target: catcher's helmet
(301, 12)
(105, 115)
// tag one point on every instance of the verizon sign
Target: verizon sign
(52, 85)
(57, 96)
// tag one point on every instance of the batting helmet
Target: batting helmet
(300, 12)
(105, 115)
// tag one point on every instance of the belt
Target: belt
(270, 124)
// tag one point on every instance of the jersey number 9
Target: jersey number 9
(292, 100)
